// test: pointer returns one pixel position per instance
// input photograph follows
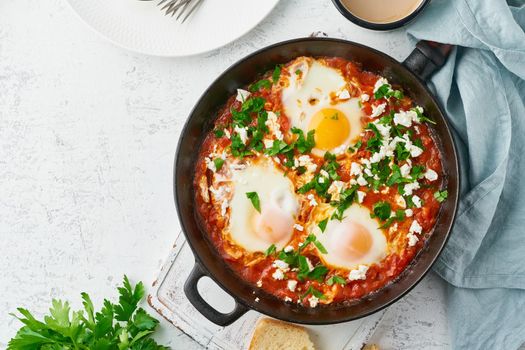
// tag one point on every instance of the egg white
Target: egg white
(273, 189)
(360, 215)
(310, 80)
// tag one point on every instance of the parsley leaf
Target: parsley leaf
(115, 326)
(218, 163)
(254, 198)
(278, 147)
(271, 250)
(264, 83)
(304, 145)
(382, 210)
(321, 247)
(219, 132)
(276, 73)
(336, 279)
(441, 196)
(314, 292)
(322, 224)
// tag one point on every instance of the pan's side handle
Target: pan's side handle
(193, 295)
(427, 58)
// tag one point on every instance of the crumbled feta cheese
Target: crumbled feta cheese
(312, 200)
(401, 201)
(210, 164)
(417, 201)
(335, 189)
(291, 285)
(378, 110)
(409, 213)
(242, 95)
(431, 175)
(415, 227)
(227, 134)
(365, 97)
(355, 169)
(360, 196)
(274, 126)
(321, 180)
(243, 133)
(358, 274)
(353, 182)
(412, 239)
(368, 172)
(380, 82)
(288, 249)
(298, 227)
(287, 300)
(405, 170)
(281, 265)
(343, 94)
(415, 151)
(403, 118)
(307, 162)
(361, 181)
(384, 130)
(313, 300)
(341, 149)
(257, 299)
(410, 188)
(324, 173)
(278, 275)
(259, 283)
(268, 143)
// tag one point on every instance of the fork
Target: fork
(178, 7)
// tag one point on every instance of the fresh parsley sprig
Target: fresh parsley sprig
(115, 327)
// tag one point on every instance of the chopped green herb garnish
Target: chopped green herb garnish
(238, 148)
(385, 90)
(314, 292)
(264, 83)
(271, 250)
(321, 247)
(218, 163)
(278, 147)
(254, 198)
(441, 196)
(298, 72)
(382, 210)
(322, 224)
(336, 279)
(335, 116)
(219, 132)
(304, 145)
(276, 73)
(423, 118)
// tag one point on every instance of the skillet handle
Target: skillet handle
(193, 295)
(427, 58)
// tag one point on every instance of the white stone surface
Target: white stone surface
(87, 138)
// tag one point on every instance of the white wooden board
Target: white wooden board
(167, 297)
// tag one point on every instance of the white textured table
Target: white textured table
(87, 139)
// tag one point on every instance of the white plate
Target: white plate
(140, 25)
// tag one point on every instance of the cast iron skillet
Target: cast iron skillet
(411, 74)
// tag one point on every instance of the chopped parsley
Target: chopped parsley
(219, 132)
(322, 224)
(254, 198)
(218, 163)
(314, 292)
(346, 198)
(276, 73)
(271, 250)
(382, 210)
(386, 91)
(399, 216)
(264, 83)
(441, 196)
(336, 279)
(304, 145)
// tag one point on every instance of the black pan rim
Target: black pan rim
(455, 174)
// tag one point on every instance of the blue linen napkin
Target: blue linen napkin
(482, 88)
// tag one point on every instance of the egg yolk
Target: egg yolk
(331, 128)
(272, 224)
(351, 241)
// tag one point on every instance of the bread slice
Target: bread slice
(276, 335)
